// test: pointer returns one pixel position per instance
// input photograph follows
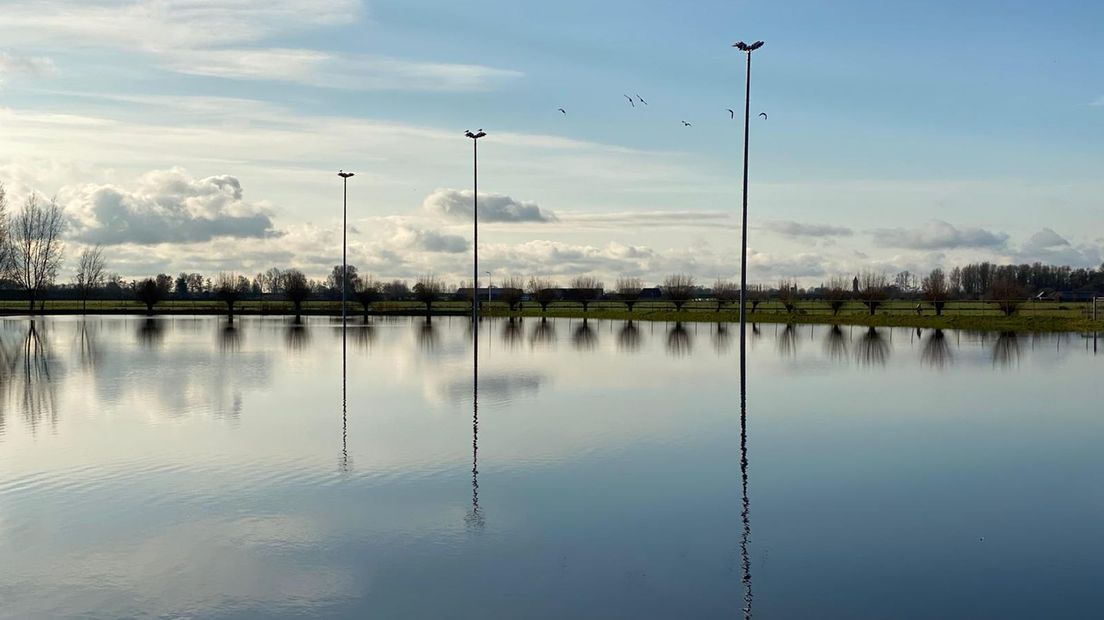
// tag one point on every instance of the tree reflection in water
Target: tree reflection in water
(30, 378)
(1006, 350)
(428, 338)
(872, 349)
(628, 338)
(513, 332)
(584, 338)
(678, 341)
(89, 353)
(722, 339)
(544, 333)
(151, 332)
(229, 339)
(936, 351)
(297, 338)
(787, 341)
(835, 344)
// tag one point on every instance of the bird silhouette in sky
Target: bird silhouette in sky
(731, 113)
(763, 114)
(562, 110)
(685, 124)
(641, 99)
(631, 102)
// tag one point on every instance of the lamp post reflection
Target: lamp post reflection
(745, 505)
(475, 519)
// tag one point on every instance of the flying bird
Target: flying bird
(631, 102)
(641, 99)
(731, 114)
(763, 114)
(686, 124)
(562, 110)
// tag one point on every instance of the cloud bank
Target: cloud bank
(938, 235)
(457, 204)
(790, 228)
(166, 206)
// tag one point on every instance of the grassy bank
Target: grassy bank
(1031, 316)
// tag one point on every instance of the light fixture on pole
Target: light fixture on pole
(747, 49)
(479, 133)
(344, 229)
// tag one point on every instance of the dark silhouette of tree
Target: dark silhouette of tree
(148, 293)
(1007, 294)
(90, 273)
(584, 337)
(787, 341)
(297, 337)
(936, 351)
(511, 292)
(874, 290)
(427, 335)
(934, 287)
(628, 339)
(583, 290)
(787, 295)
(756, 295)
(872, 350)
(836, 293)
(151, 332)
(835, 344)
(34, 247)
(368, 292)
(678, 289)
(544, 332)
(678, 341)
(296, 289)
(1006, 350)
(513, 332)
(230, 289)
(543, 292)
(396, 290)
(628, 291)
(725, 292)
(427, 290)
(722, 339)
(333, 281)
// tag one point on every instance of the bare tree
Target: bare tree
(584, 289)
(628, 291)
(725, 292)
(934, 286)
(148, 293)
(396, 290)
(427, 290)
(368, 291)
(837, 293)
(90, 273)
(543, 292)
(679, 289)
(296, 289)
(1007, 294)
(230, 288)
(787, 294)
(511, 291)
(35, 246)
(873, 290)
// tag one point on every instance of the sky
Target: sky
(204, 135)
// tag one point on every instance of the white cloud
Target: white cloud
(457, 204)
(791, 228)
(1047, 246)
(938, 235)
(345, 71)
(165, 206)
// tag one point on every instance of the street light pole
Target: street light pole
(344, 230)
(479, 133)
(747, 49)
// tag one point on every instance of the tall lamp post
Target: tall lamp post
(344, 230)
(479, 133)
(747, 49)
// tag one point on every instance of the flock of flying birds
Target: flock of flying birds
(632, 102)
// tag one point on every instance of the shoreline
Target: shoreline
(1016, 323)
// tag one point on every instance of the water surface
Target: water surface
(182, 468)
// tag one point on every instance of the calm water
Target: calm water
(178, 469)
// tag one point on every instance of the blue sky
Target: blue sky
(203, 135)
